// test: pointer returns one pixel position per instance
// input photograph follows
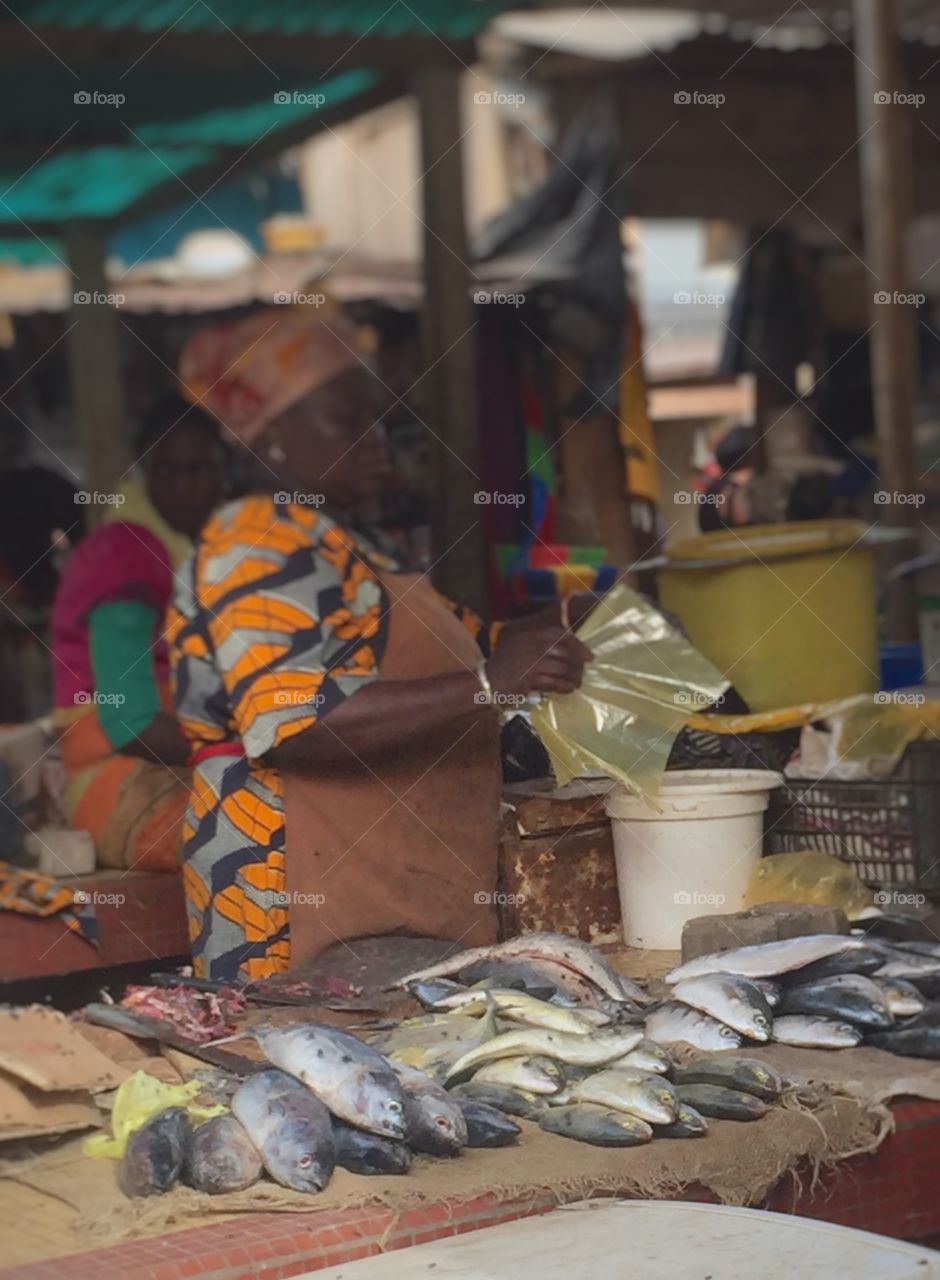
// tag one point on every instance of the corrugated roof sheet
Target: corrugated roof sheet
(101, 182)
(449, 19)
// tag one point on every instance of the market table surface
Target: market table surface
(659, 1240)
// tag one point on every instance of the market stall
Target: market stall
(838, 1133)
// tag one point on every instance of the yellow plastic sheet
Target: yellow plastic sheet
(808, 876)
(137, 1099)
(865, 726)
(639, 689)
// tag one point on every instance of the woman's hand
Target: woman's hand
(537, 659)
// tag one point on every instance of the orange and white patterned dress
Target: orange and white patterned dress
(281, 616)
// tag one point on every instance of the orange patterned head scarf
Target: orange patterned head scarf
(248, 372)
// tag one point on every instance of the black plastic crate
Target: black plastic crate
(890, 830)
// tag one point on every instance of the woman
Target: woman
(341, 713)
(121, 743)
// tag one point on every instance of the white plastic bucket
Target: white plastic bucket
(691, 859)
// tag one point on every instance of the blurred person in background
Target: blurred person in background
(121, 744)
(40, 517)
(341, 712)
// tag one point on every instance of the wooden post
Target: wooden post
(450, 343)
(884, 124)
(95, 367)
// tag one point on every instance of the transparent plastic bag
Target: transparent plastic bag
(643, 683)
(810, 876)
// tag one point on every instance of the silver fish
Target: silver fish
(733, 1000)
(679, 1024)
(746, 1075)
(534, 1075)
(517, 1006)
(770, 990)
(767, 958)
(290, 1128)
(155, 1153)
(351, 1078)
(600, 1126)
(902, 997)
(572, 953)
(367, 1153)
(486, 1126)
(434, 1124)
(585, 1051)
(433, 1042)
(815, 1033)
(687, 1124)
(651, 1098)
(514, 1102)
(849, 997)
(722, 1103)
(221, 1157)
(647, 1056)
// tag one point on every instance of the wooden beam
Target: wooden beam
(884, 122)
(95, 365)
(450, 344)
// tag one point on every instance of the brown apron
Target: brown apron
(407, 845)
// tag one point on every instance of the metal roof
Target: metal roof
(448, 19)
(101, 182)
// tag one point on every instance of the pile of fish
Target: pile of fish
(822, 991)
(327, 1099)
(542, 1028)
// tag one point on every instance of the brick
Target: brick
(793, 919)
(706, 934)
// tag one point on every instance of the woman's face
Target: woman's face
(333, 441)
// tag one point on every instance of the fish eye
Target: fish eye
(305, 1161)
(394, 1107)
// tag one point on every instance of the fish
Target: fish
(770, 990)
(535, 1074)
(730, 999)
(290, 1128)
(918, 948)
(155, 1153)
(849, 997)
(721, 1103)
(651, 1098)
(514, 1102)
(431, 992)
(367, 1153)
(571, 953)
(689, 1123)
(434, 1042)
(517, 1006)
(487, 1127)
(909, 1042)
(767, 959)
(600, 1126)
(866, 960)
(912, 967)
(350, 1077)
(901, 996)
(434, 1124)
(747, 1075)
(585, 1051)
(221, 1157)
(929, 1016)
(815, 1033)
(647, 1056)
(519, 975)
(674, 1023)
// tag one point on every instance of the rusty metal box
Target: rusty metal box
(557, 868)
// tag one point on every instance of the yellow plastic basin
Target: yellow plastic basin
(787, 611)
